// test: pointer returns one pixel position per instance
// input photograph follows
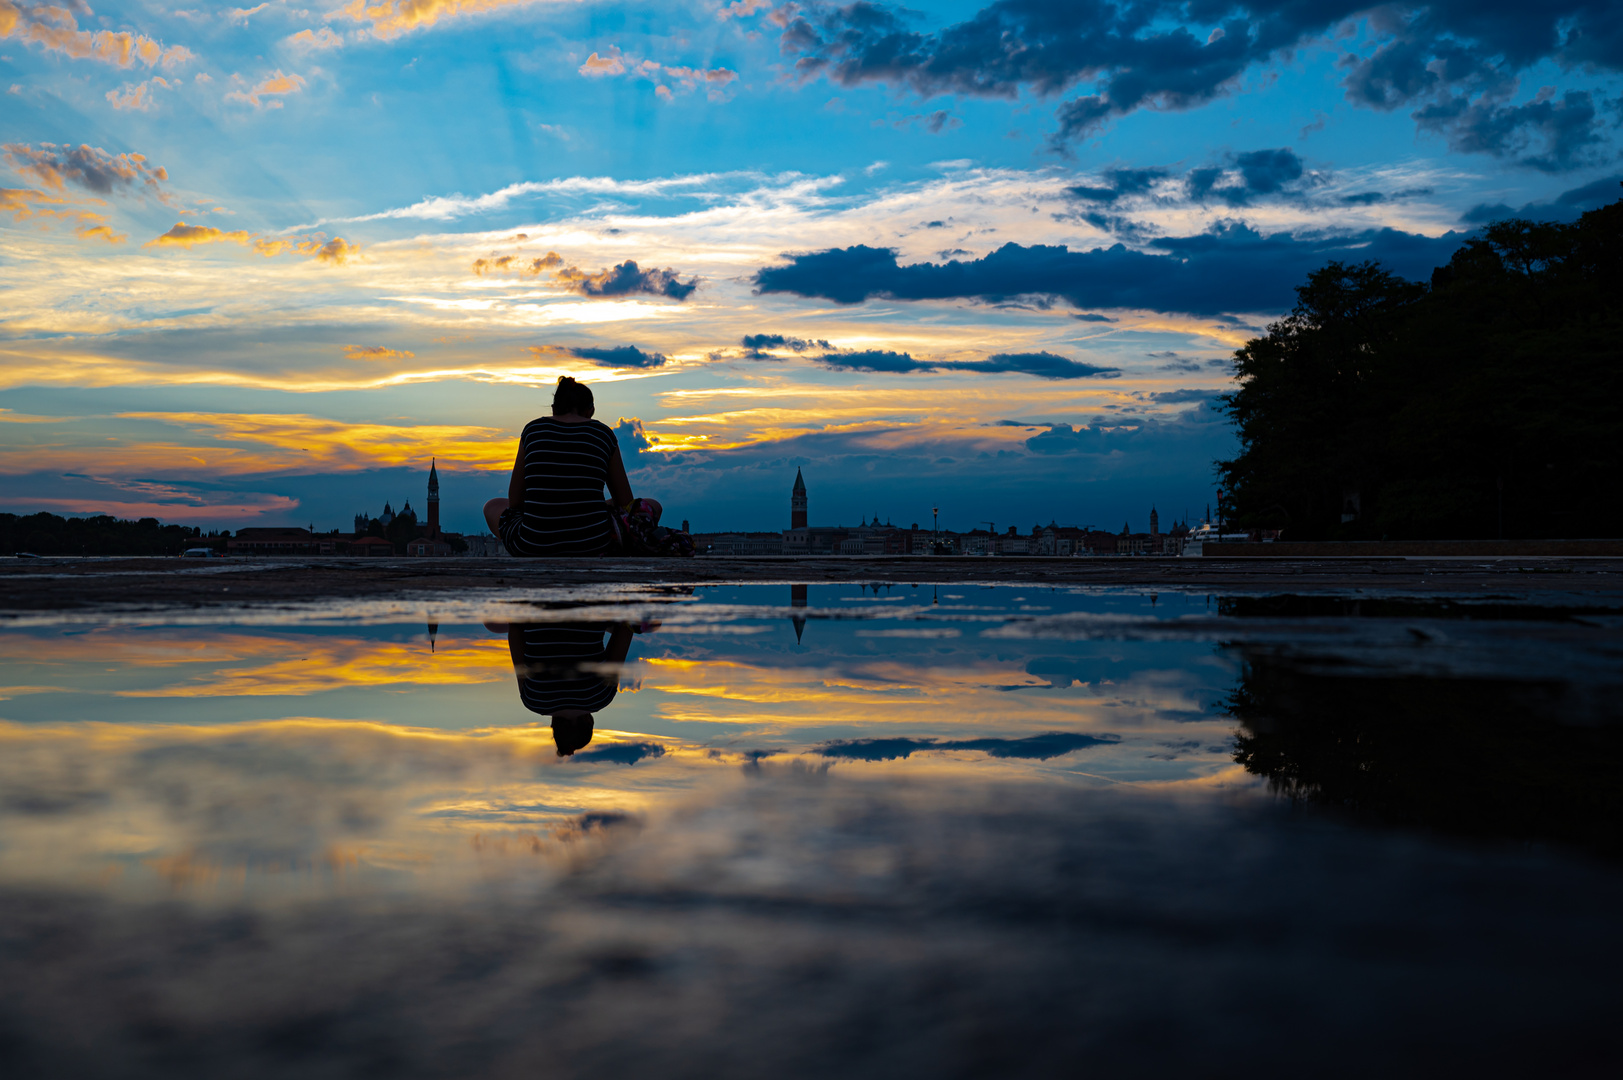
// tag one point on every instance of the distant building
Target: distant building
(271, 541)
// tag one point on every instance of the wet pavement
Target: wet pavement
(738, 827)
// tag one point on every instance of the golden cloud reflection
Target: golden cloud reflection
(226, 807)
(160, 791)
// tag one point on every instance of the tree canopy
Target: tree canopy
(1487, 402)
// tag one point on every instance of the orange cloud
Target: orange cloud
(305, 441)
(189, 236)
(137, 96)
(274, 86)
(100, 232)
(311, 40)
(341, 664)
(598, 66)
(615, 62)
(376, 352)
(391, 18)
(336, 251)
(55, 29)
(25, 203)
(504, 264)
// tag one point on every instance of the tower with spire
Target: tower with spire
(797, 503)
(433, 500)
(1155, 522)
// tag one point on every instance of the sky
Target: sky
(260, 265)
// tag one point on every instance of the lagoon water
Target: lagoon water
(944, 830)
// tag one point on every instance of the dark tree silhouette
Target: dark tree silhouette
(1486, 403)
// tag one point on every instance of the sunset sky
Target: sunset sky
(260, 264)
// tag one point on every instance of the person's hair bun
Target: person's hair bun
(572, 397)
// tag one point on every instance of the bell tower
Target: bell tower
(433, 500)
(797, 503)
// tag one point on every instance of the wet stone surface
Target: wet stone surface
(1000, 828)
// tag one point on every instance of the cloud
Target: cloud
(1119, 182)
(1161, 55)
(85, 166)
(1043, 365)
(314, 40)
(755, 345)
(187, 236)
(613, 63)
(1180, 397)
(1566, 206)
(376, 352)
(626, 280)
(335, 251)
(391, 18)
(632, 438)
(1230, 268)
(100, 232)
(739, 9)
(621, 356)
(137, 96)
(242, 14)
(1257, 172)
(25, 203)
(274, 86)
(1032, 747)
(618, 753)
(55, 29)
(1545, 134)
(505, 264)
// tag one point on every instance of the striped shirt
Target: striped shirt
(565, 468)
(552, 680)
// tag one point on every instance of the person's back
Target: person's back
(554, 505)
(564, 467)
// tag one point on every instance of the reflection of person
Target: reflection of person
(554, 503)
(565, 671)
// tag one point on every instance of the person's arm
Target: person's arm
(515, 483)
(619, 483)
(619, 643)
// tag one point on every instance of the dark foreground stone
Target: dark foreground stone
(809, 926)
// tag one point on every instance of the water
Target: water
(828, 828)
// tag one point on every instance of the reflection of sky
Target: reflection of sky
(247, 748)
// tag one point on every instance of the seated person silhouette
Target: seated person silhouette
(567, 672)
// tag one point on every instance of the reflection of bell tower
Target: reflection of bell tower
(433, 501)
(797, 503)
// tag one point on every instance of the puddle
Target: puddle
(854, 828)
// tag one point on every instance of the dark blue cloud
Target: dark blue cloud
(1043, 365)
(1033, 747)
(1267, 171)
(620, 753)
(1118, 182)
(756, 344)
(1179, 397)
(1165, 54)
(1231, 268)
(627, 280)
(1546, 134)
(1567, 206)
(618, 356)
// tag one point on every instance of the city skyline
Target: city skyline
(261, 262)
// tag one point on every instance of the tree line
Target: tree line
(1485, 403)
(48, 534)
